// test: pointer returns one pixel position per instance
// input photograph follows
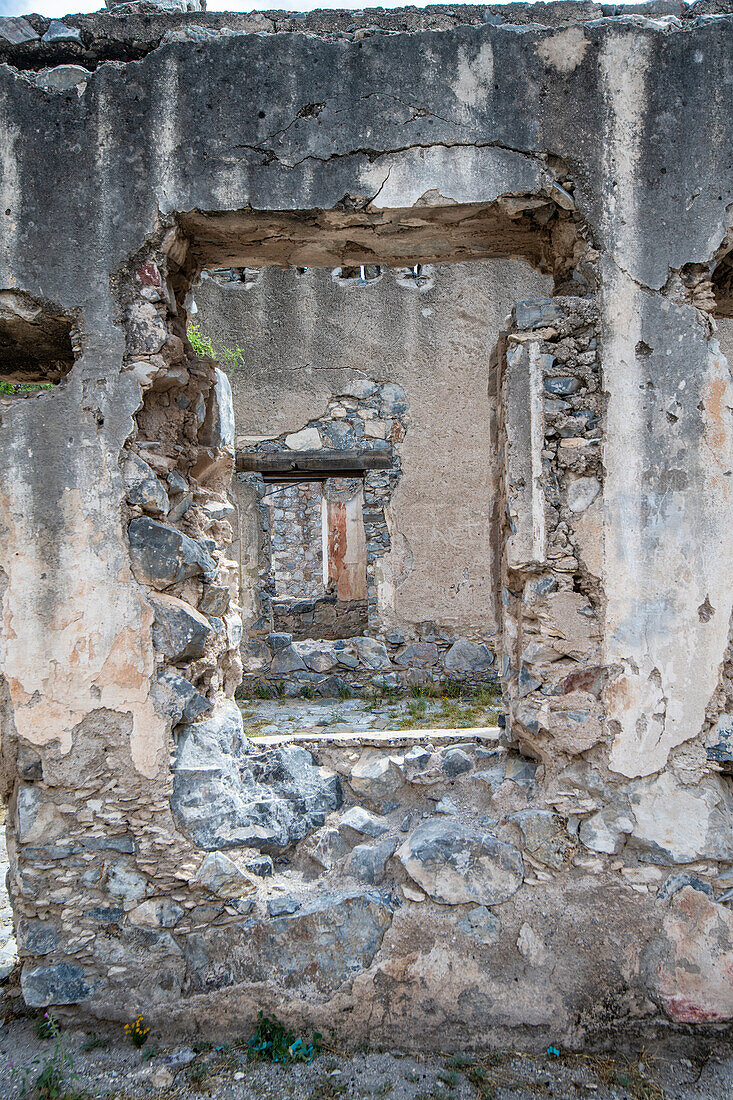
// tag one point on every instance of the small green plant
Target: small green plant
(47, 1027)
(261, 690)
(272, 1042)
(417, 708)
(280, 689)
(95, 1042)
(229, 358)
(307, 692)
(452, 689)
(201, 344)
(197, 1075)
(48, 1078)
(343, 692)
(488, 695)
(137, 1032)
(151, 1052)
(15, 388)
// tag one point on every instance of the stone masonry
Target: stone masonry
(557, 881)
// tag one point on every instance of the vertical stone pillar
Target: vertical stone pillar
(550, 428)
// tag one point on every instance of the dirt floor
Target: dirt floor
(106, 1066)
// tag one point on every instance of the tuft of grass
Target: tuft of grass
(52, 1077)
(15, 389)
(488, 695)
(254, 729)
(95, 1042)
(417, 708)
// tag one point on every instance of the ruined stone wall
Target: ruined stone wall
(550, 403)
(439, 894)
(297, 545)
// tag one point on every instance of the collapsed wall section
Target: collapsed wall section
(550, 410)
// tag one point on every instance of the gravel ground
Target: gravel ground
(277, 717)
(108, 1066)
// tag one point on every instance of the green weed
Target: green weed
(95, 1042)
(273, 1042)
(230, 359)
(417, 708)
(48, 1078)
(14, 389)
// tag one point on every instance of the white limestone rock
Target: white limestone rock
(308, 439)
(220, 875)
(376, 776)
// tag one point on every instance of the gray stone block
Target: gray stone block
(125, 883)
(16, 30)
(63, 984)
(282, 907)
(334, 687)
(180, 632)
(367, 862)
(37, 937)
(562, 386)
(226, 796)
(545, 836)
(481, 925)
(262, 866)
(178, 698)
(286, 661)
(455, 864)
(144, 488)
(466, 656)
(537, 313)
(63, 78)
(456, 761)
(332, 938)
(220, 875)
(59, 32)
(417, 655)
(162, 555)
(217, 429)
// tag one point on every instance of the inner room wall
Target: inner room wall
(307, 335)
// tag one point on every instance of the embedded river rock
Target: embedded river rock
(466, 273)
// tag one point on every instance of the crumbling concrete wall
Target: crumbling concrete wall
(597, 148)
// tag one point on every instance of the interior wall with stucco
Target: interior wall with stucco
(305, 334)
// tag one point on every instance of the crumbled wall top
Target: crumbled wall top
(130, 31)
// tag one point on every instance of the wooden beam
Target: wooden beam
(324, 462)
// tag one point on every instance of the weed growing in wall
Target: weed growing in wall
(230, 359)
(47, 1026)
(16, 389)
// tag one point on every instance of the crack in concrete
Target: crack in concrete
(375, 154)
